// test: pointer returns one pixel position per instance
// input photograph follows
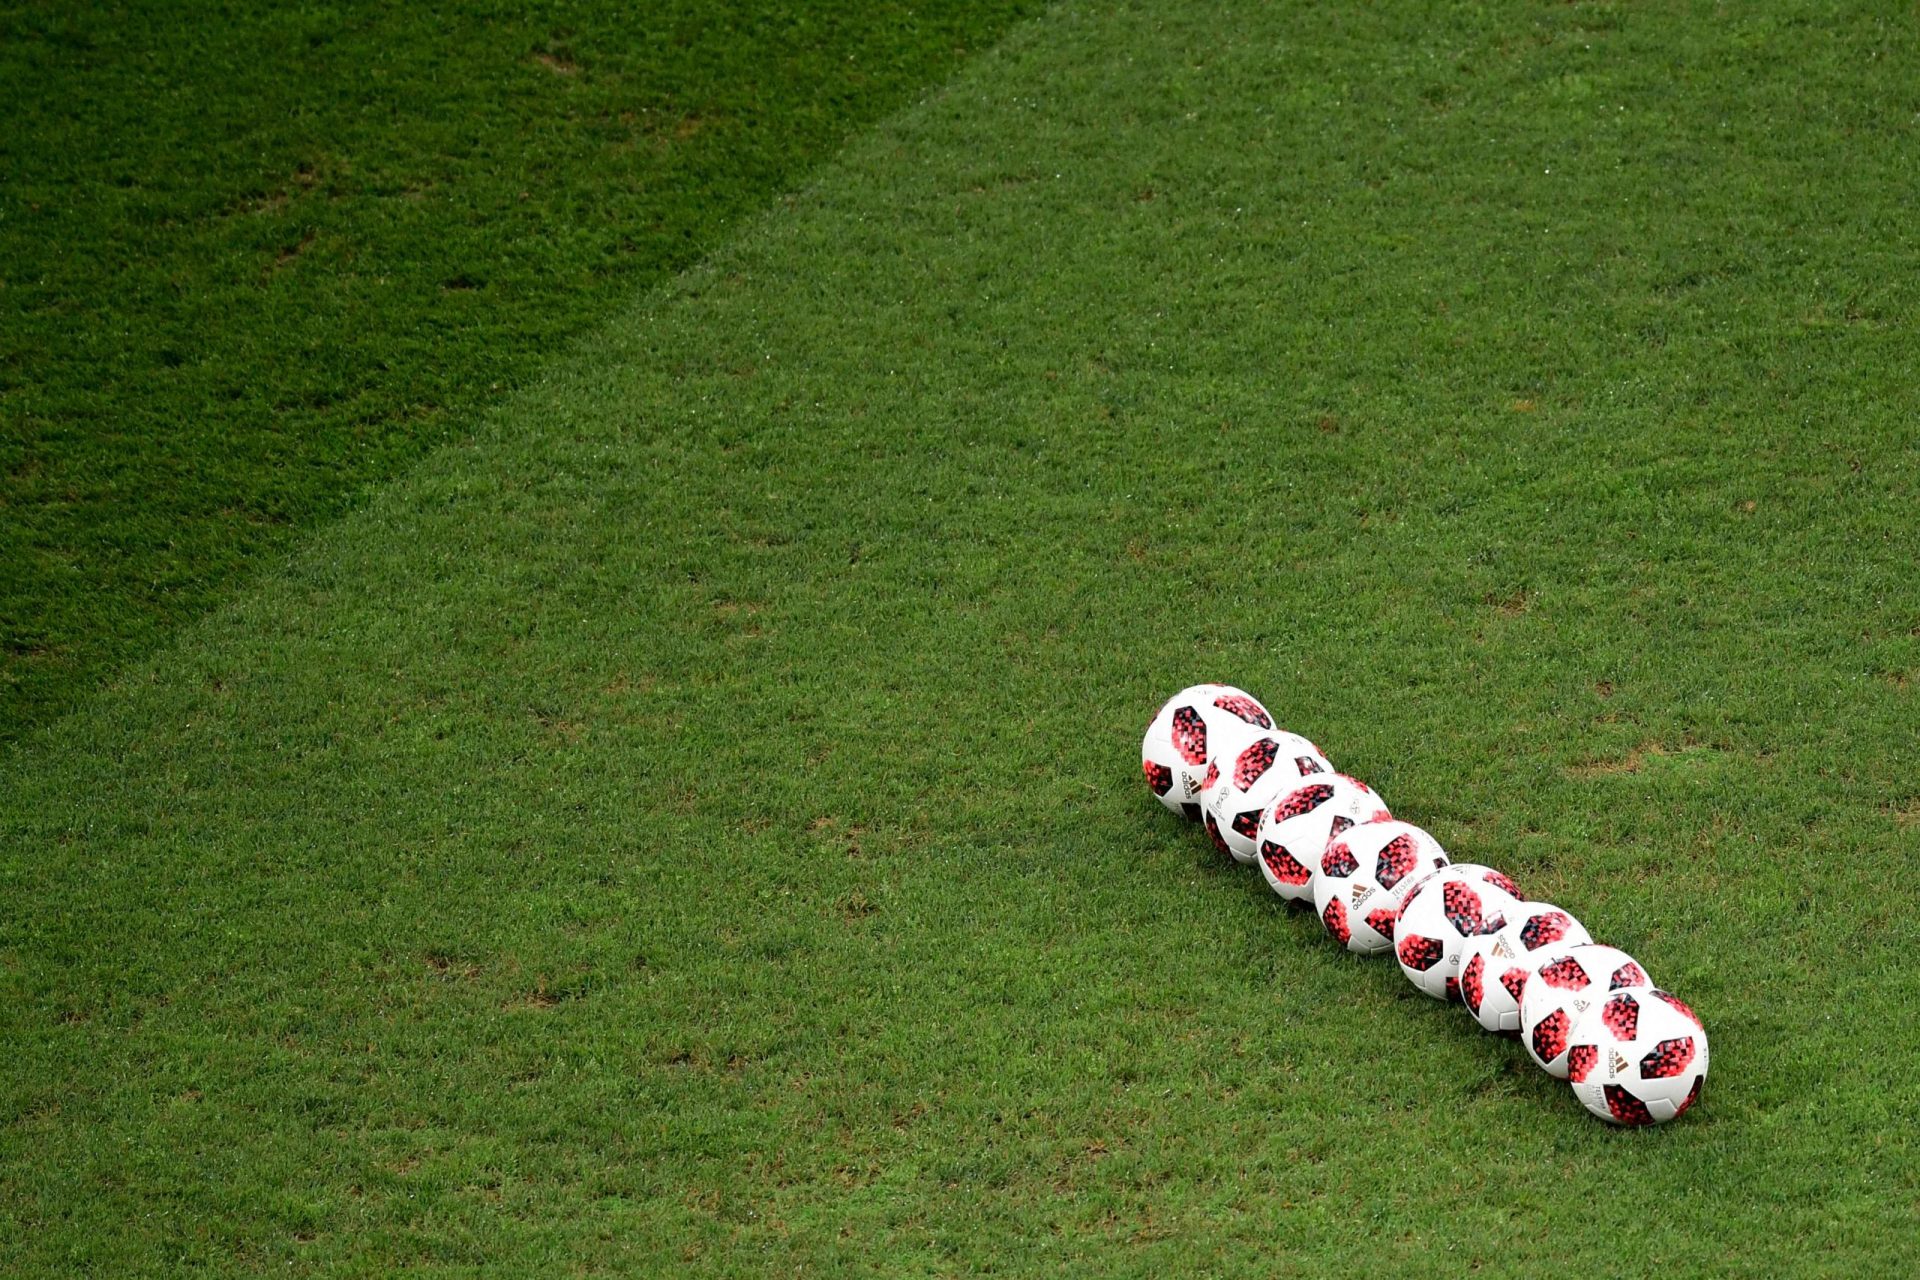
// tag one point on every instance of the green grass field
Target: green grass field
(689, 823)
(257, 257)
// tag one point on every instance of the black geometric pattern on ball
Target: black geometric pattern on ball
(1669, 1058)
(1547, 926)
(1472, 982)
(1302, 800)
(1381, 920)
(1550, 1035)
(1244, 707)
(1627, 975)
(1621, 1014)
(1462, 907)
(1213, 833)
(1421, 954)
(1254, 761)
(1626, 1108)
(1397, 857)
(1565, 973)
(1681, 1005)
(1338, 860)
(1335, 918)
(1286, 868)
(1190, 735)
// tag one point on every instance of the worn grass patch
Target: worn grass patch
(693, 827)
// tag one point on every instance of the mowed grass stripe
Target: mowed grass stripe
(256, 257)
(693, 827)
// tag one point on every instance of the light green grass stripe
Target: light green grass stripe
(692, 827)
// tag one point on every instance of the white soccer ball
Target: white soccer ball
(1497, 965)
(1565, 983)
(1440, 914)
(1295, 829)
(1363, 875)
(1238, 789)
(1176, 749)
(1638, 1056)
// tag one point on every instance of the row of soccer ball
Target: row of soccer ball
(1587, 1013)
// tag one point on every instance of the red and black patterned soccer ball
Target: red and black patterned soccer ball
(1441, 913)
(1638, 1057)
(1565, 983)
(1295, 828)
(1238, 789)
(1182, 737)
(1495, 968)
(1363, 875)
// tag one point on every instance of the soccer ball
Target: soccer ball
(1213, 833)
(1442, 912)
(1567, 981)
(1638, 1057)
(1176, 750)
(1237, 789)
(1497, 965)
(1295, 829)
(1362, 876)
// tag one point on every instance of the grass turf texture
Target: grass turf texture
(253, 257)
(694, 826)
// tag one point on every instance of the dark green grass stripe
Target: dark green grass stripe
(255, 257)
